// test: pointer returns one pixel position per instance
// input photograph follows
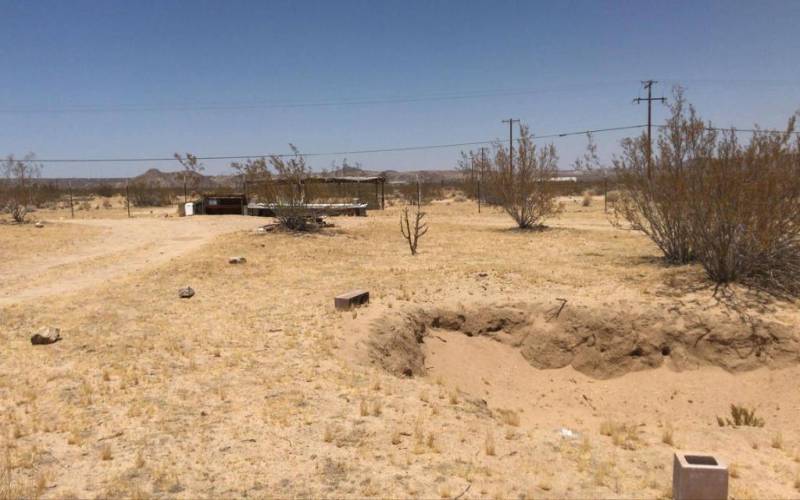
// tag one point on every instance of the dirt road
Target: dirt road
(112, 248)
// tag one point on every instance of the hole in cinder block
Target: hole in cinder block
(701, 460)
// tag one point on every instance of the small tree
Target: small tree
(525, 188)
(20, 174)
(192, 169)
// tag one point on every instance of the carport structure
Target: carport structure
(378, 181)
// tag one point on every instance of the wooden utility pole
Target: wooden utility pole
(481, 171)
(71, 205)
(511, 122)
(648, 84)
(127, 198)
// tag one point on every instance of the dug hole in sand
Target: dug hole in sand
(561, 365)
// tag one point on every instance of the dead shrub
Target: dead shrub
(741, 416)
(412, 232)
(587, 198)
(524, 186)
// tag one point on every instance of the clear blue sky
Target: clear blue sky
(145, 70)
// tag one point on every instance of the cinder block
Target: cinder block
(699, 476)
(351, 299)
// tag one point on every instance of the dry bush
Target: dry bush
(412, 232)
(734, 208)
(423, 191)
(145, 194)
(741, 416)
(524, 187)
(587, 198)
(654, 188)
(289, 193)
(744, 205)
(17, 191)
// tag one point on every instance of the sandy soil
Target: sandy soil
(87, 252)
(258, 387)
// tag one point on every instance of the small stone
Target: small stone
(46, 336)
(186, 293)
(237, 260)
(39, 224)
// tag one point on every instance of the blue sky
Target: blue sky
(155, 77)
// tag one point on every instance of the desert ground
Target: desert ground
(566, 362)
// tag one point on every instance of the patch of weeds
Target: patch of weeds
(741, 416)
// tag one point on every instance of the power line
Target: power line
(332, 153)
(89, 108)
(742, 130)
(384, 150)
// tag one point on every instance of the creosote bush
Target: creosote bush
(524, 185)
(705, 196)
(654, 187)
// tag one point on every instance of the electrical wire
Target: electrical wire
(331, 153)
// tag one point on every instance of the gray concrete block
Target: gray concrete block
(699, 476)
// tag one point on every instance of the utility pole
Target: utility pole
(510, 122)
(127, 198)
(71, 205)
(481, 171)
(648, 84)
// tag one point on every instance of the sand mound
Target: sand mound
(599, 343)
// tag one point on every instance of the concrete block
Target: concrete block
(699, 476)
(351, 299)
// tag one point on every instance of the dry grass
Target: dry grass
(667, 436)
(777, 441)
(258, 371)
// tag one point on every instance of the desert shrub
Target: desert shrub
(525, 189)
(612, 196)
(143, 194)
(19, 184)
(422, 191)
(105, 190)
(733, 207)
(654, 188)
(744, 204)
(289, 193)
(586, 198)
